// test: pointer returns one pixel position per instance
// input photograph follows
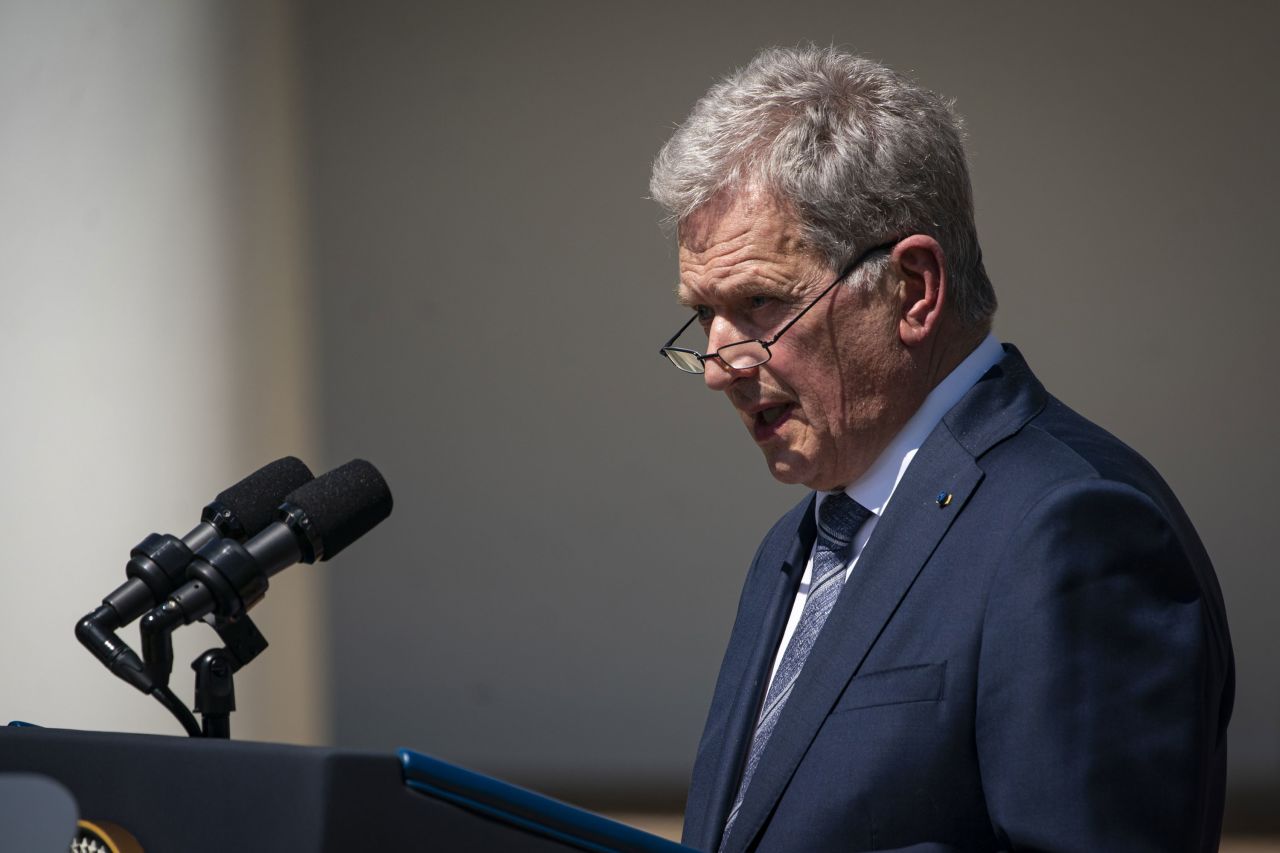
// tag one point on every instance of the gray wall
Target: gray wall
(150, 267)
(551, 597)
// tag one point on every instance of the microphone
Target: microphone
(158, 564)
(314, 523)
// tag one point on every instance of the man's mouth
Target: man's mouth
(767, 420)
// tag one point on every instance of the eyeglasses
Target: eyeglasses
(743, 355)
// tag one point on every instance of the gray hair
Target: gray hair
(859, 153)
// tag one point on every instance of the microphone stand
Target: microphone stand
(215, 692)
(214, 668)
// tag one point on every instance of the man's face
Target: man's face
(838, 385)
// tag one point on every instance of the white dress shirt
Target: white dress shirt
(874, 488)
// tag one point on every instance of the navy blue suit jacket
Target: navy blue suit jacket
(1042, 663)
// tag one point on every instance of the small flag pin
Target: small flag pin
(943, 498)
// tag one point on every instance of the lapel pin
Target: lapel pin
(943, 498)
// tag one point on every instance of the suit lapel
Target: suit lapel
(905, 537)
(741, 719)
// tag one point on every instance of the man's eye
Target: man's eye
(705, 314)
(757, 302)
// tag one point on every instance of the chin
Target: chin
(793, 475)
(787, 474)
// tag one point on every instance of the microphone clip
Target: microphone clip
(214, 668)
(215, 690)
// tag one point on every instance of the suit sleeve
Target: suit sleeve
(752, 616)
(1096, 724)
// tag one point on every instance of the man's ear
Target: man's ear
(922, 287)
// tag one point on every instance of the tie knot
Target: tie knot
(839, 518)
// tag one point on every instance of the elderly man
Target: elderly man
(990, 626)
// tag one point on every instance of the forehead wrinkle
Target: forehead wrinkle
(748, 283)
(743, 268)
(730, 283)
(725, 251)
(779, 243)
(732, 222)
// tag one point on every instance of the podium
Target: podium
(214, 796)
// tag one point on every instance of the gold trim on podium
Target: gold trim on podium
(110, 836)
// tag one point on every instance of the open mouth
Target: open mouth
(767, 421)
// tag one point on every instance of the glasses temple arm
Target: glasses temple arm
(678, 333)
(804, 311)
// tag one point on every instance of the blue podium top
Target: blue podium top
(523, 808)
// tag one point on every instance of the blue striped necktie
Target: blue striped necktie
(839, 518)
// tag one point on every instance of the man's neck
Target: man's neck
(948, 351)
(875, 486)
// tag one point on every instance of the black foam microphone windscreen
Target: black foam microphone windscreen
(315, 521)
(343, 505)
(253, 501)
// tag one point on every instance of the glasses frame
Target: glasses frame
(667, 348)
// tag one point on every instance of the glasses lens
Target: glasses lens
(683, 359)
(743, 355)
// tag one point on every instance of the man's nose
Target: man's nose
(715, 372)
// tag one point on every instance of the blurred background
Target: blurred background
(418, 233)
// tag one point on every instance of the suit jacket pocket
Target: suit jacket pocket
(919, 683)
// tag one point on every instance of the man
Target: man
(990, 626)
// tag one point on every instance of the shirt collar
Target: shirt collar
(874, 488)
